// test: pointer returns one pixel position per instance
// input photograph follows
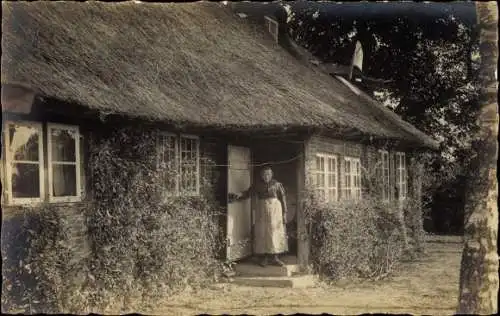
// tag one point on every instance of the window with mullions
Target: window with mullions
(24, 162)
(326, 181)
(25, 173)
(352, 178)
(63, 162)
(385, 175)
(401, 175)
(178, 156)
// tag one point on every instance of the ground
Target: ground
(428, 286)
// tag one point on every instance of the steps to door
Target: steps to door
(302, 281)
(251, 274)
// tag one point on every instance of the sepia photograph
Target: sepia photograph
(249, 157)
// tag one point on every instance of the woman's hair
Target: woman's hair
(265, 168)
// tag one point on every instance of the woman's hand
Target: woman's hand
(285, 216)
(233, 197)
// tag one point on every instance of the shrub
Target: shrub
(130, 244)
(43, 270)
(355, 238)
(413, 213)
(145, 244)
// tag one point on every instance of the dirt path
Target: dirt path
(429, 286)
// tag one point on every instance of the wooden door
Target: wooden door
(239, 214)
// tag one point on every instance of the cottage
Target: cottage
(213, 84)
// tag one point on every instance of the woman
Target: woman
(270, 233)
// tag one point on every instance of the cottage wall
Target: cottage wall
(212, 181)
(369, 156)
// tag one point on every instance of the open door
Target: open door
(239, 214)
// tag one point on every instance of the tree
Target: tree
(479, 266)
(431, 62)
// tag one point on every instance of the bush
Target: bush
(413, 213)
(355, 238)
(42, 270)
(145, 244)
(128, 246)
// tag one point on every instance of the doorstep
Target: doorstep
(300, 281)
(250, 273)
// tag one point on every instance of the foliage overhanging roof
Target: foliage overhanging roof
(193, 63)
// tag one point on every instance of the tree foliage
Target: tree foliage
(432, 64)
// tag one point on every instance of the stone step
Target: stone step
(250, 268)
(304, 281)
(255, 270)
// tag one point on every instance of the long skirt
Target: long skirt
(270, 231)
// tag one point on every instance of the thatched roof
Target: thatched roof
(195, 63)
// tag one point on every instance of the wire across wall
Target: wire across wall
(251, 165)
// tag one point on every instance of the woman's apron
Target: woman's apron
(270, 231)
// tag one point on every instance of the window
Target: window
(26, 174)
(179, 158)
(272, 27)
(385, 175)
(24, 162)
(167, 157)
(326, 177)
(63, 162)
(352, 178)
(189, 165)
(401, 176)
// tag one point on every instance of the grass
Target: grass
(427, 286)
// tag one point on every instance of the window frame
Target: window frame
(197, 164)
(159, 142)
(326, 172)
(178, 162)
(401, 175)
(77, 164)
(355, 192)
(11, 200)
(318, 171)
(386, 179)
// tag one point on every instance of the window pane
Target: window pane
(188, 179)
(319, 179)
(168, 162)
(332, 195)
(24, 142)
(63, 145)
(167, 153)
(63, 180)
(169, 181)
(189, 167)
(321, 194)
(333, 180)
(25, 180)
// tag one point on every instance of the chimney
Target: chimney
(356, 63)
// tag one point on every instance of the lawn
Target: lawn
(428, 286)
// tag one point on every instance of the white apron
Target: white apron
(270, 232)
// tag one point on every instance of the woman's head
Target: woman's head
(266, 174)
